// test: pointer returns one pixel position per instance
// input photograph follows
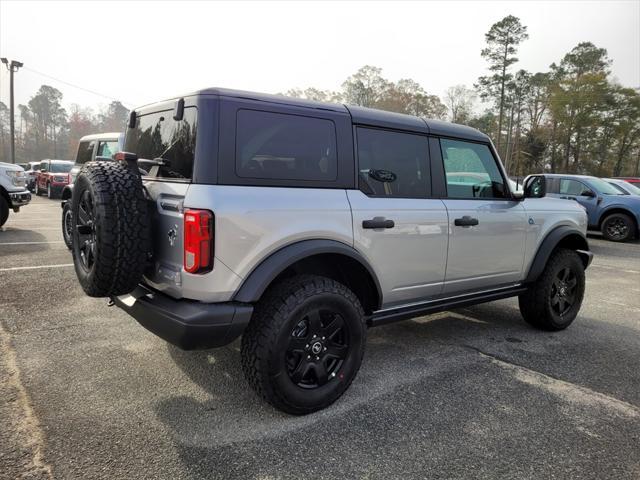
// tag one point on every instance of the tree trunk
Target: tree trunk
(502, 82)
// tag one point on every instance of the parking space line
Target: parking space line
(12, 269)
(30, 243)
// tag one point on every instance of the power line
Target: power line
(109, 97)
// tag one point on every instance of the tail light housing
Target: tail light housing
(198, 241)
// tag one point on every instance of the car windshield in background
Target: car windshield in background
(158, 135)
(61, 167)
(630, 187)
(605, 188)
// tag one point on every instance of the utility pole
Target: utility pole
(13, 67)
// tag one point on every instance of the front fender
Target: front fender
(563, 235)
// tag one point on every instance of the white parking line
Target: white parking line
(30, 243)
(12, 269)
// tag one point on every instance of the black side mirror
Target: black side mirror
(535, 186)
(587, 193)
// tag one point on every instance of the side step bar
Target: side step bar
(382, 317)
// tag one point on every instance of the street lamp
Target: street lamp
(13, 66)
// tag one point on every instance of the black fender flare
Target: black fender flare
(261, 276)
(551, 241)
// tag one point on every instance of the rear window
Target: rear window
(280, 146)
(158, 136)
(85, 151)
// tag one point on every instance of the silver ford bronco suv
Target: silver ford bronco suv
(298, 225)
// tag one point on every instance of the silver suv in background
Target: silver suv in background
(299, 225)
(101, 147)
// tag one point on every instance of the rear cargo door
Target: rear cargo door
(166, 149)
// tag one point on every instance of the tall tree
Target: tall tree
(459, 100)
(502, 40)
(113, 118)
(366, 87)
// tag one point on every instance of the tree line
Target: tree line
(572, 118)
(45, 129)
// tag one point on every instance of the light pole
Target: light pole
(13, 67)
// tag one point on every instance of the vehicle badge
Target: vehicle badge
(172, 235)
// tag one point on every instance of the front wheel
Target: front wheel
(49, 192)
(305, 343)
(554, 300)
(618, 227)
(36, 191)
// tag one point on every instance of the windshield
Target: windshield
(61, 167)
(604, 187)
(629, 187)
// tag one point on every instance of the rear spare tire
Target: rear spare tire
(110, 229)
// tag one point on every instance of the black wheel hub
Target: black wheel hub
(617, 228)
(317, 348)
(563, 291)
(86, 231)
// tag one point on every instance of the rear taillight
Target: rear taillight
(198, 241)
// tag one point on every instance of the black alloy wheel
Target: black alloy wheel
(317, 348)
(563, 291)
(617, 228)
(86, 231)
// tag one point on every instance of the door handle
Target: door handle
(466, 221)
(378, 222)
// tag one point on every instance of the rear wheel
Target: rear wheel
(67, 227)
(4, 210)
(109, 229)
(618, 227)
(554, 300)
(305, 343)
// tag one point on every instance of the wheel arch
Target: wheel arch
(329, 258)
(560, 237)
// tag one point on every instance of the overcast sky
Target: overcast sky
(147, 51)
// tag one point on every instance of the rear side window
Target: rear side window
(280, 146)
(471, 170)
(392, 164)
(157, 136)
(85, 151)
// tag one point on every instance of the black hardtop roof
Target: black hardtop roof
(360, 115)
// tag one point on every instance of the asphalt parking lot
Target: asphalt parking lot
(85, 392)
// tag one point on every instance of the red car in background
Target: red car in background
(53, 177)
(633, 180)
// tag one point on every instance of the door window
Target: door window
(572, 187)
(278, 146)
(393, 164)
(85, 152)
(471, 170)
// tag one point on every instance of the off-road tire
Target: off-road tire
(536, 303)
(4, 210)
(264, 342)
(67, 228)
(120, 229)
(623, 219)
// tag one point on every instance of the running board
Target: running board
(382, 317)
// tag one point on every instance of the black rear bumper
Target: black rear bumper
(186, 323)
